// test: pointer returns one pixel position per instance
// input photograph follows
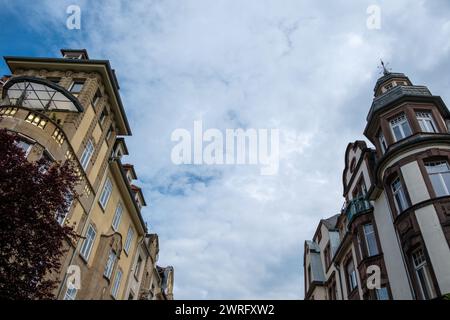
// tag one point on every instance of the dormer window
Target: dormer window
(73, 55)
(389, 86)
(400, 127)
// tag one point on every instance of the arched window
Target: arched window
(39, 94)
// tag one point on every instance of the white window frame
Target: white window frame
(426, 122)
(87, 154)
(440, 174)
(112, 257)
(71, 292)
(423, 265)
(106, 193)
(383, 142)
(130, 235)
(88, 242)
(116, 285)
(370, 233)
(398, 122)
(398, 189)
(117, 217)
(352, 280)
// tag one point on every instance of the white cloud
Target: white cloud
(305, 67)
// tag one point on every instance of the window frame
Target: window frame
(116, 284)
(74, 83)
(128, 240)
(351, 277)
(106, 193)
(110, 262)
(88, 241)
(425, 267)
(399, 123)
(440, 175)
(401, 190)
(366, 240)
(422, 116)
(86, 156)
(117, 217)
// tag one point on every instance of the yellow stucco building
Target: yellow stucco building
(69, 108)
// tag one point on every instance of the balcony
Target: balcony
(356, 206)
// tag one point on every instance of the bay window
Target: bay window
(400, 127)
(426, 122)
(439, 174)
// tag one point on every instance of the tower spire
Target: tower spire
(385, 70)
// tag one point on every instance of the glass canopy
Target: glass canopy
(40, 94)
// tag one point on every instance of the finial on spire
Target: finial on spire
(385, 70)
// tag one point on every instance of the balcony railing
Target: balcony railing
(357, 206)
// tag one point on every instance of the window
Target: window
(110, 264)
(138, 267)
(351, 276)
(389, 86)
(88, 242)
(106, 193)
(423, 274)
(117, 217)
(76, 86)
(87, 154)
(8, 112)
(71, 292)
(327, 254)
(61, 216)
(36, 120)
(439, 173)
(400, 127)
(426, 122)
(116, 285)
(382, 141)
(97, 97)
(58, 136)
(128, 240)
(382, 293)
(399, 195)
(102, 117)
(371, 241)
(25, 146)
(108, 134)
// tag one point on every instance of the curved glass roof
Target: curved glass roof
(40, 94)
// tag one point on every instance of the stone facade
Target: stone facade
(69, 109)
(394, 225)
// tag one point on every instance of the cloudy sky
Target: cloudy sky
(306, 68)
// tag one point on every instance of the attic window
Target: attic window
(73, 55)
(389, 86)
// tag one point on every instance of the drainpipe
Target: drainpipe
(340, 279)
